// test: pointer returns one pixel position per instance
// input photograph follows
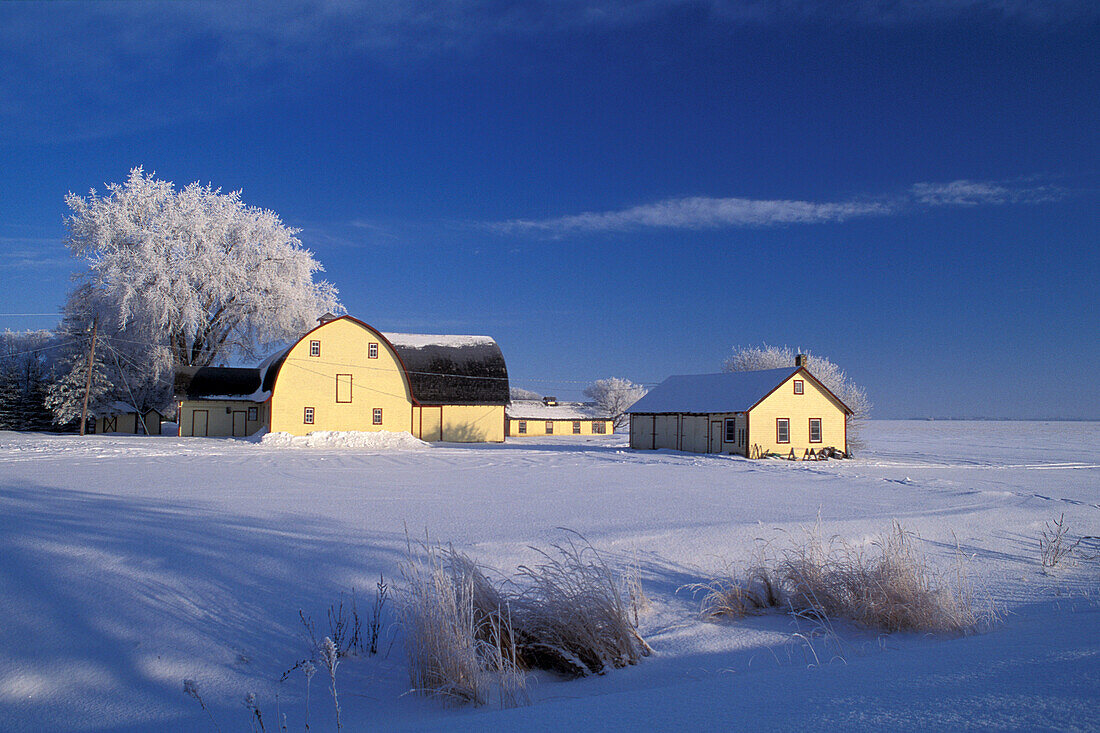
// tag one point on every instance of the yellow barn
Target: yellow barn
(770, 411)
(534, 418)
(345, 375)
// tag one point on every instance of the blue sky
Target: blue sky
(613, 188)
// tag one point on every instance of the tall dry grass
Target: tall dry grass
(888, 585)
(469, 639)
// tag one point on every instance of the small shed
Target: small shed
(118, 417)
(783, 411)
(533, 418)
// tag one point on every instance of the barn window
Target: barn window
(372, 351)
(522, 427)
(799, 387)
(253, 413)
(549, 427)
(314, 348)
(576, 427)
(308, 417)
(343, 388)
(815, 429)
(782, 430)
(731, 431)
(598, 427)
(377, 416)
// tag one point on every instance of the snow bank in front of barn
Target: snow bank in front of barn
(378, 440)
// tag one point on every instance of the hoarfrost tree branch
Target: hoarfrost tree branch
(184, 278)
(752, 358)
(615, 396)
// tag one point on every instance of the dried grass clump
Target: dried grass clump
(888, 586)
(468, 637)
(572, 617)
(457, 638)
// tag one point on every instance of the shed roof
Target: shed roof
(537, 410)
(709, 393)
(219, 383)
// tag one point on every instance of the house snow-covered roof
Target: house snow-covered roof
(220, 383)
(537, 410)
(708, 393)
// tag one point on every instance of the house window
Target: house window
(376, 416)
(782, 430)
(815, 429)
(343, 388)
(372, 351)
(576, 427)
(308, 418)
(731, 431)
(253, 413)
(314, 348)
(598, 427)
(741, 437)
(522, 427)
(549, 427)
(799, 386)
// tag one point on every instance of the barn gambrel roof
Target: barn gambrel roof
(722, 392)
(441, 369)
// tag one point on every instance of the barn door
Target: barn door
(198, 423)
(238, 424)
(715, 436)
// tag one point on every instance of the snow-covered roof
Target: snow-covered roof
(117, 408)
(220, 383)
(706, 393)
(537, 410)
(420, 340)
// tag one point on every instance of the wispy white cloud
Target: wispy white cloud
(24, 253)
(717, 213)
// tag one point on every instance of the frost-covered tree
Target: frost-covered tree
(751, 358)
(182, 278)
(518, 393)
(615, 396)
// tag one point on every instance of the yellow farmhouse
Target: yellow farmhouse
(347, 376)
(533, 418)
(777, 411)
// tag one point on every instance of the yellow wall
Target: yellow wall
(536, 428)
(689, 433)
(310, 381)
(127, 422)
(472, 423)
(219, 421)
(783, 402)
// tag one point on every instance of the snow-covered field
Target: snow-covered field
(128, 564)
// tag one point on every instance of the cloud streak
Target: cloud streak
(701, 212)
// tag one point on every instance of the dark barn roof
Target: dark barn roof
(453, 370)
(205, 383)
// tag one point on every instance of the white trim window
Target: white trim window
(549, 427)
(782, 430)
(307, 416)
(815, 429)
(522, 427)
(376, 416)
(799, 386)
(314, 348)
(731, 430)
(372, 350)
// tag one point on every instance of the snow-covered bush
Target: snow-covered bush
(180, 278)
(615, 396)
(752, 358)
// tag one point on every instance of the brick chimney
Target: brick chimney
(800, 360)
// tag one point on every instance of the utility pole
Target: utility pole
(88, 383)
